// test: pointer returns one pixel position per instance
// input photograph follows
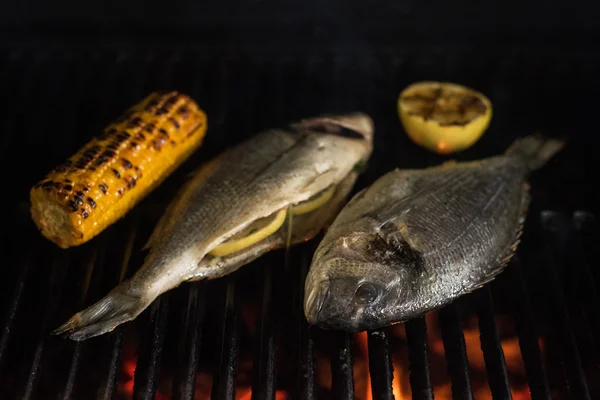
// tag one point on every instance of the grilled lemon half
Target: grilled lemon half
(443, 117)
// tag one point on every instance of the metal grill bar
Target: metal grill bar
(420, 381)
(528, 337)
(225, 373)
(94, 262)
(572, 360)
(585, 239)
(579, 288)
(189, 345)
(583, 222)
(73, 371)
(580, 221)
(55, 285)
(29, 386)
(14, 306)
(380, 364)
(493, 354)
(305, 385)
(263, 382)
(342, 360)
(114, 363)
(150, 350)
(456, 352)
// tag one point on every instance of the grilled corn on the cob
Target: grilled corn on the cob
(113, 172)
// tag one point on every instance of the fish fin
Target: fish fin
(351, 125)
(488, 279)
(162, 221)
(504, 261)
(512, 249)
(536, 149)
(104, 316)
(525, 200)
(157, 232)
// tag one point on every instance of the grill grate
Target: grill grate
(492, 349)
(420, 381)
(201, 329)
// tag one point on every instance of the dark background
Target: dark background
(544, 24)
(67, 68)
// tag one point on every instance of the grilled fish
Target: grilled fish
(417, 239)
(232, 211)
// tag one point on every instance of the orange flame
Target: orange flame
(400, 386)
(362, 367)
(440, 379)
(246, 394)
(129, 369)
(401, 389)
(129, 366)
(479, 382)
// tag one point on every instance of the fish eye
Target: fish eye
(366, 292)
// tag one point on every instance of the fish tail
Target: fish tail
(536, 149)
(117, 307)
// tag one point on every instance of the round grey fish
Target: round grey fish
(417, 239)
(270, 172)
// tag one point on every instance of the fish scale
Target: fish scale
(457, 221)
(466, 235)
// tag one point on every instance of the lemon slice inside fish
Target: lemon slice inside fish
(315, 203)
(256, 235)
(233, 246)
(444, 117)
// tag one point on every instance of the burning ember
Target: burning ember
(128, 372)
(440, 379)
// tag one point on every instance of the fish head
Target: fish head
(355, 128)
(362, 281)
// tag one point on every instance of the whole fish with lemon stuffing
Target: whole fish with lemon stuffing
(235, 209)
